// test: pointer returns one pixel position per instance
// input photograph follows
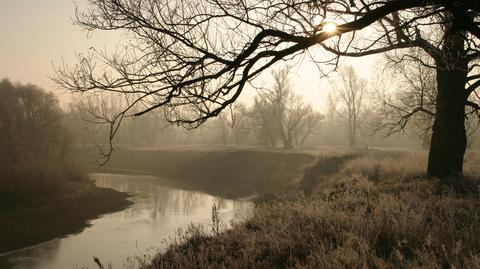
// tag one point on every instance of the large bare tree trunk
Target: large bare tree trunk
(449, 139)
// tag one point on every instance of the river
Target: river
(120, 238)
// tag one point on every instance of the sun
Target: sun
(329, 27)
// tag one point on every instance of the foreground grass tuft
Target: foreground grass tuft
(372, 213)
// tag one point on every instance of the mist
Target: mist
(240, 134)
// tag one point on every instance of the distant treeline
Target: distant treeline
(277, 117)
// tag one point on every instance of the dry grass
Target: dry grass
(376, 212)
(387, 166)
(471, 165)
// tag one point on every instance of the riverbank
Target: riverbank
(370, 211)
(227, 172)
(57, 215)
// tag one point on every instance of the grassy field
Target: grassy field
(362, 210)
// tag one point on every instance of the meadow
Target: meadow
(375, 210)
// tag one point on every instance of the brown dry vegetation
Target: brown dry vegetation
(375, 211)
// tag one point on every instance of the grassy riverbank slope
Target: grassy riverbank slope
(373, 210)
(230, 173)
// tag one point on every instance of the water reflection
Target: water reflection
(158, 211)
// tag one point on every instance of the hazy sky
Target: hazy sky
(37, 33)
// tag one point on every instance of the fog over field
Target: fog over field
(240, 134)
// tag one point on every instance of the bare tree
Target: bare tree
(241, 125)
(283, 115)
(332, 106)
(31, 125)
(284, 118)
(234, 121)
(309, 125)
(195, 58)
(351, 95)
(299, 121)
(330, 126)
(292, 120)
(262, 116)
(410, 97)
(223, 126)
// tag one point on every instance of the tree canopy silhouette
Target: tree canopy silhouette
(195, 57)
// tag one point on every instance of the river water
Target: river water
(122, 237)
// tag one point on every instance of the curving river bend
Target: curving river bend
(157, 213)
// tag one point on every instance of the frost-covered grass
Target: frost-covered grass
(376, 211)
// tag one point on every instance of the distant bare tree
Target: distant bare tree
(266, 128)
(282, 101)
(283, 115)
(330, 128)
(351, 95)
(292, 120)
(309, 125)
(332, 106)
(223, 125)
(240, 122)
(299, 121)
(75, 121)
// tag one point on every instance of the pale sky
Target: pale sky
(38, 33)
